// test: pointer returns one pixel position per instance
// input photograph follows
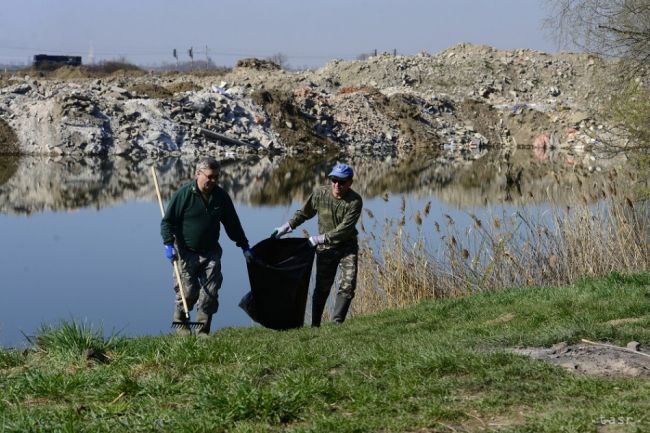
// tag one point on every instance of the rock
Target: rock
(560, 348)
(634, 345)
(120, 93)
(484, 92)
(21, 89)
(554, 91)
(577, 117)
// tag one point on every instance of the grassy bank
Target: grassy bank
(434, 367)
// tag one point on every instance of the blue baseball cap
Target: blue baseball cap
(342, 171)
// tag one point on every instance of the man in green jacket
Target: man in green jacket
(190, 231)
(338, 208)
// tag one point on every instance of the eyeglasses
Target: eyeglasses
(338, 181)
(212, 177)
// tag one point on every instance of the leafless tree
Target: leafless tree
(279, 59)
(609, 28)
(615, 29)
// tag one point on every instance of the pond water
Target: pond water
(81, 240)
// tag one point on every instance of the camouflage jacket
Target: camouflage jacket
(336, 217)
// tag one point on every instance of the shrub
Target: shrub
(112, 66)
(630, 108)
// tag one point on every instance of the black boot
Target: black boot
(206, 319)
(341, 307)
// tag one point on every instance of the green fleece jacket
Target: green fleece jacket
(195, 223)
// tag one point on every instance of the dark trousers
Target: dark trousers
(328, 260)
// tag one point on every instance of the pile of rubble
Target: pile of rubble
(463, 99)
(105, 118)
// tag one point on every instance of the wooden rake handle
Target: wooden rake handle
(177, 271)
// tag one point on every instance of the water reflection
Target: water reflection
(108, 265)
(34, 184)
(8, 167)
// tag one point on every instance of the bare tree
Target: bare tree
(279, 59)
(609, 28)
(617, 29)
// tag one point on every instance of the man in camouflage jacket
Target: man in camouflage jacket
(338, 208)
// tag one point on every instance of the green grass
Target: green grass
(73, 339)
(434, 367)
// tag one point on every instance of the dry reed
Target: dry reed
(401, 264)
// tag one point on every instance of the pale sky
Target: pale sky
(308, 33)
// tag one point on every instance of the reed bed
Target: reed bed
(407, 259)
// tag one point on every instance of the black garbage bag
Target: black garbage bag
(279, 278)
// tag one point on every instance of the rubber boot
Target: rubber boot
(206, 319)
(317, 306)
(341, 307)
(183, 330)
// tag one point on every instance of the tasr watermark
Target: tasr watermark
(616, 420)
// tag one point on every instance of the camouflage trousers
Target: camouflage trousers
(327, 262)
(202, 278)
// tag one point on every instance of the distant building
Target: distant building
(46, 61)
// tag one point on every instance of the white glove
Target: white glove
(316, 240)
(281, 231)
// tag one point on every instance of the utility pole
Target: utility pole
(175, 54)
(191, 53)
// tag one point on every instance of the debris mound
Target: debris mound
(259, 64)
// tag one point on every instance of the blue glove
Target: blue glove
(170, 253)
(316, 240)
(248, 254)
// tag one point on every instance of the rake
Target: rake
(181, 324)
